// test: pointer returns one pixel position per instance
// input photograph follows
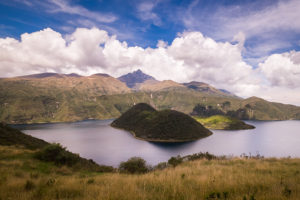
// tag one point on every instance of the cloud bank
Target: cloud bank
(263, 24)
(191, 56)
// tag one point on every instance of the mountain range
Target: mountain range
(53, 97)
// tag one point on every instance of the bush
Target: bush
(134, 165)
(174, 161)
(161, 166)
(200, 155)
(60, 156)
(57, 154)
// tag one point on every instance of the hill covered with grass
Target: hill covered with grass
(222, 122)
(28, 174)
(11, 136)
(144, 122)
(51, 97)
(43, 151)
(26, 178)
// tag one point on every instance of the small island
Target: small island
(221, 122)
(146, 123)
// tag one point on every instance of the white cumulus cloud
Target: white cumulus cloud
(190, 57)
(282, 69)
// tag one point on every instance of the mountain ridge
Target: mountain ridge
(101, 96)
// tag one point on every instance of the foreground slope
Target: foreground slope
(24, 178)
(11, 136)
(160, 126)
(42, 152)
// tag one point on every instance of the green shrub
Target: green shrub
(174, 161)
(200, 155)
(60, 156)
(57, 154)
(161, 166)
(134, 165)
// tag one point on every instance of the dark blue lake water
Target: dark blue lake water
(109, 146)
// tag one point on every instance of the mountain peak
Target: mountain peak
(131, 79)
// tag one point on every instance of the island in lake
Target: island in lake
(221, 122)
(146, 123)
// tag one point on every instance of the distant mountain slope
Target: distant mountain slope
(131, 79)
(251, 108)
(98, 84)
(144, 122)
(160, 85)
(259, 108)
(206, 88)
(59, 98)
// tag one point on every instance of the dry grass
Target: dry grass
(269, 179)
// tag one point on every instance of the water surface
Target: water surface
(97, 140)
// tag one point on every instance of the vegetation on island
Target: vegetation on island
(222, 122)
(144, 122)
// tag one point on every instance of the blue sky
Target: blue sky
(143, 23)
(247, 47)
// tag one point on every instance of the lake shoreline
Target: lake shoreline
(97, 140)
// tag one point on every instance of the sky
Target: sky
(251, 48)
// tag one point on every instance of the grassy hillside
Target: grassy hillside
(62, 98)
(11, 136)
(223, 123)
(43, 151)
(23, 177)
(144, 122)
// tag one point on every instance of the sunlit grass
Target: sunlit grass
(22, 177)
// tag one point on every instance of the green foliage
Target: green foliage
(206, 111)
(57, 154)
(60, 156)
(161, 166)
(134, 165)
(201, 155)
(174, 161)
(223, 122)
(160, 126)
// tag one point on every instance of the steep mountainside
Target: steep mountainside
(144, 122)
(160, 85)
(131, 79)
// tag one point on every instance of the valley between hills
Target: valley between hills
(52, 97)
